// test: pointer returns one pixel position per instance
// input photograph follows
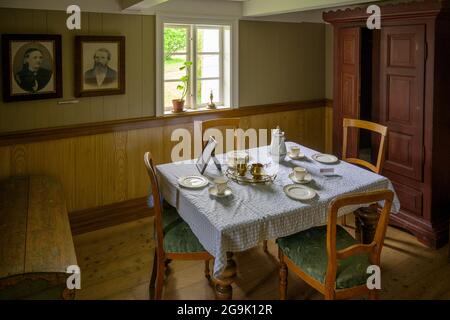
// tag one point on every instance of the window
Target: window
(209, 47)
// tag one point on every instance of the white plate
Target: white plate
(213, 191)
(307, 178)
(300, 156)
(193, 182)
(299, 192)
(324, 158)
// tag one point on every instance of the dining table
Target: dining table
(255, 212)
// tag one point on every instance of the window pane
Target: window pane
(208, 66)
(207, 40)
(204, 88)
(170, 93)
(175, 40)
(172, 67)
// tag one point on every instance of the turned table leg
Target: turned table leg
(224, 291)
(366, 220)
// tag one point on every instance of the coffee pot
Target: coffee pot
(278, 145)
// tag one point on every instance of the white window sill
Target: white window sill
(198, 110)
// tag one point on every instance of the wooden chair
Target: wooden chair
(374, 127)
(233, 123)
(174, 238)
(313, 254)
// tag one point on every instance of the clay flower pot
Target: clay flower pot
(178, 105)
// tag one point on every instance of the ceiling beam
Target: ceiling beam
(140, 4)
(254, 8)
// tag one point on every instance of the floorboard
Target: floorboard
(116, 263)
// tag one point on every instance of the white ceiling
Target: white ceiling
(254, 8)
(272, 10)
(250, 8)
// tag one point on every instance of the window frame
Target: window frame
(198, 22)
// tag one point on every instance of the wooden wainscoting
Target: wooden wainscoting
(101, 168)
(86, 220)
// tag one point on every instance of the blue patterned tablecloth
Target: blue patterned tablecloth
(259, 212)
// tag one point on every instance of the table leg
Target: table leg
(366, 221)
(224, 291)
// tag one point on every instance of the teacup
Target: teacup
(295, 151)
(241, 168)
(300, 173)
(221, 184)
(257, 170)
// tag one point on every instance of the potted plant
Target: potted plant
(178, 104)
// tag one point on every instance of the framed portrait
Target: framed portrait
(99, 65)
(31, 66)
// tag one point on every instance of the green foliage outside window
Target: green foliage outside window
(174, 40)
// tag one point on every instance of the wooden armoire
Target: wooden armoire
(399, 76)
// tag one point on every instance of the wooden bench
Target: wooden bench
(36, 243)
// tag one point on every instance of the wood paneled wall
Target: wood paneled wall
(97, 170)
(139, 100)
(279, 62)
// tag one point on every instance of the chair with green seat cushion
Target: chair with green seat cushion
(174, 239)
(307, 249)
(178, 236)
(329, 258)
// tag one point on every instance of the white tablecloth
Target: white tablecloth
(258, 212)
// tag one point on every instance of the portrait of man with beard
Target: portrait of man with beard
(99, 65)
(101, 75)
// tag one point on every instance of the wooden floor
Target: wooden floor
(116, 263)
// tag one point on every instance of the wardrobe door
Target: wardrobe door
(402, 97)
(347, 78)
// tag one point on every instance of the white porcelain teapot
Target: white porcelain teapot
(277, 145)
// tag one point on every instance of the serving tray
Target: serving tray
(248, 178)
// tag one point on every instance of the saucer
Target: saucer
(213, 191)
(300, 156)
(176, 112)
(325, 158)
(307, 179)
(297, 192)
(193, 182)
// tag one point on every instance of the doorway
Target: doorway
(366, 148)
